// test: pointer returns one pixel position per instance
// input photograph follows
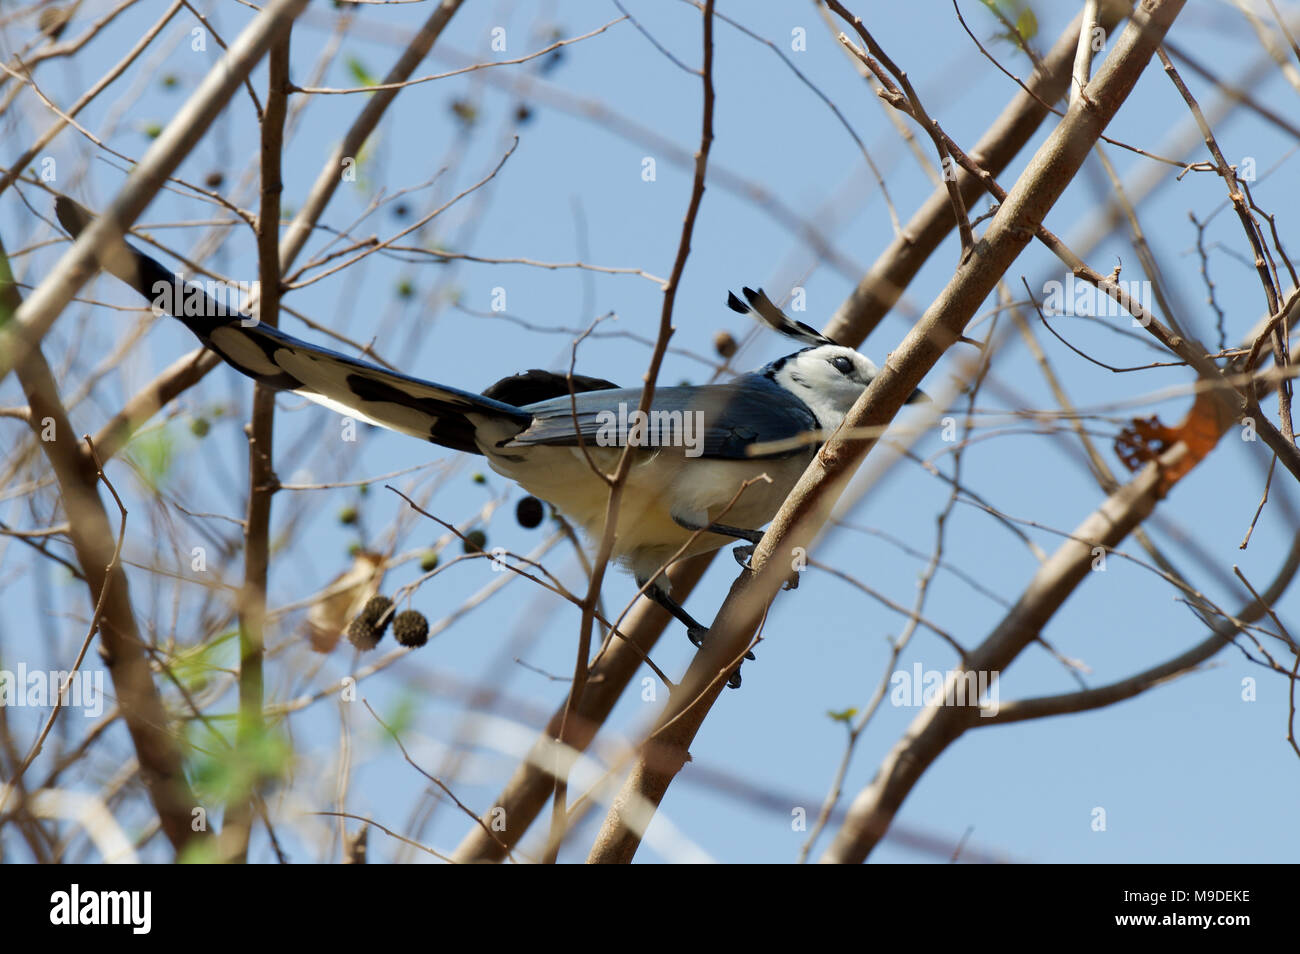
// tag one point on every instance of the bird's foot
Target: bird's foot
(743, 554)
(697, 634)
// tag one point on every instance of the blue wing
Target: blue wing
(732, 416)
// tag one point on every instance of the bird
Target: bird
(692, 450)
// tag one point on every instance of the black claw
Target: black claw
(697, 634)
(742, 554)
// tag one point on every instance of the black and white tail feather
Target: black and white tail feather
(443, 415)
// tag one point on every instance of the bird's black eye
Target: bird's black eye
(842, 364)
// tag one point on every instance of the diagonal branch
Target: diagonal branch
(891, 273)
(892, 94)
(809, 505)
(1221, 634)
(331, 172)
(25, 329)
(931, 732)
(526, 792)
(617, 482)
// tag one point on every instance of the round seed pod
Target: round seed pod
(724, 344)
(410, 628)
(529, 512)
(367, 627)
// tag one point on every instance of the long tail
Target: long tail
(432, 412)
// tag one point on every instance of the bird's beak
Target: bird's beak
(919, 397)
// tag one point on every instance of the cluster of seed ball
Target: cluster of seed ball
(410, 628)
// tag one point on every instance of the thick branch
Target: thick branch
(1221, 634)
(809, 505)
(526, 792)
(891, 273)
(928, 735)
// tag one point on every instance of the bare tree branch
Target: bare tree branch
(120, 643)
(809, 504)
(261, 471)
(527, 790)
(38, 312)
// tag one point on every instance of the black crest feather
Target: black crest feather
(758, 305)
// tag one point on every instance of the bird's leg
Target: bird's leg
(743, 553)
(694, 631)
(740, 533)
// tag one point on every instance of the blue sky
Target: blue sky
(1186, 772)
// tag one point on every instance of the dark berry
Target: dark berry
(529, 512)
(411, 628)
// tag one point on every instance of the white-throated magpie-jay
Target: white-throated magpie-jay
(691, 455)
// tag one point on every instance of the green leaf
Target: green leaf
(359, 73)
(194, 667)
(222, 773)
(200, 852)
(843, 715)
(1027, 24)
(153, 452)
(401, 719)
(6, 278)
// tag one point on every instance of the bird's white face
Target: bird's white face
(828, 378)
